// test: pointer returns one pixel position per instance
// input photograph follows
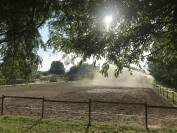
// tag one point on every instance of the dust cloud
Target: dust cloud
(125, 79)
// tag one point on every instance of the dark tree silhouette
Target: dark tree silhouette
(57, 67)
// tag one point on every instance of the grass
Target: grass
(21, 124)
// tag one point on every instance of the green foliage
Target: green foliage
(57, 67)
(165, 74)
(2, 80)
(78, 27)
(163, 65)
(19, 37)
(81, 71)
(20, 61)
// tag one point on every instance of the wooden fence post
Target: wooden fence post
(173, 96)
(90, 104)
(167, 94)
(163, 91)
(160, 90)
(2, 104)
(42, 113)
(146, 115)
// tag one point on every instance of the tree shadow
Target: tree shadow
(148, 130)
(87, 128)
(33, 125)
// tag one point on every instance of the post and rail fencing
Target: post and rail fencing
(89, 103)
(169, 94)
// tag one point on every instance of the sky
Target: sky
(47, 56)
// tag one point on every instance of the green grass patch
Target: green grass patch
(20, 124)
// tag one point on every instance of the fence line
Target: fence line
(125, 103)
(168, 93)
(39, 98)
(59, 101)
(161, 107)
(89, 103)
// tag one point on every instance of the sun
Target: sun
(107, 20)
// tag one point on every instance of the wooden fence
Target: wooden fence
(89, 103)
(167, 93)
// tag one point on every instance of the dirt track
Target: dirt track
(100, 112)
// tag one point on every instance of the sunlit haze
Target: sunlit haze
(107, 20)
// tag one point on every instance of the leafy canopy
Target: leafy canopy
(76, 26)
(19, 36)
(163, 64)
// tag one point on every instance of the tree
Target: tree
(137, 25)
(165, 74)
(57, 67)
(19, 36)
(77, 27)
(163, 65)
(20, 59)
(72, 74)
(81, 71)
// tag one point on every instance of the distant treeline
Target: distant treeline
(56, 73)
(76, 72)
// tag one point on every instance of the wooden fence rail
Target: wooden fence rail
(124, 103)
(59, 101)
(167, 93)
(89, 103)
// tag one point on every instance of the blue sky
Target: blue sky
(47, 56)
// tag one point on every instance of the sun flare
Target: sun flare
(107, 20)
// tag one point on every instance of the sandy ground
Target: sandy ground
(100, 112)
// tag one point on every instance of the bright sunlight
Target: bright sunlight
(107, 20)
